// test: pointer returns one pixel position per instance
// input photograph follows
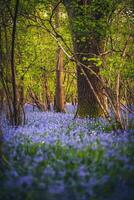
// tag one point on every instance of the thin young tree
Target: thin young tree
(59, 93)
(16, 113)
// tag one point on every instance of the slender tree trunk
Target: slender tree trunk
(13, 71)
(1, 76)
(47, 93)
(118, 105)
(1, 98)
(59, 99)
(59, 94)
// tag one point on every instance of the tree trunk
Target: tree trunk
(59, 103)
(47, 93)
(13, 71)
(59, 96)
(88, 84)
(86, 46)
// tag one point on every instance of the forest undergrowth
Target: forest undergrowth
(54, 156)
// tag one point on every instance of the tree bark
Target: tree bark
(59, 96)
(86, 45)
(13, 71)
(47, 93)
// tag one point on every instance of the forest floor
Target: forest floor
(56, 157)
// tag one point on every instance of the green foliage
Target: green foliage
(36, 48)
(90, 19)
(119, 44)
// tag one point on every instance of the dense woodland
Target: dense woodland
(57, 55)
(66, 51)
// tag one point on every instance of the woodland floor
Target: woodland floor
(56, 157)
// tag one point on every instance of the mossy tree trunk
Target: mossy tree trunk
(88, 84)
(88, 37)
